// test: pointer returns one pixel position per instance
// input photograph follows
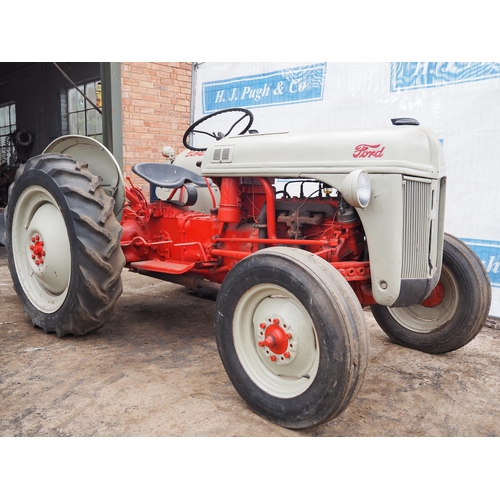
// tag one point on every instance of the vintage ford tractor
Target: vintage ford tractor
(296, 232)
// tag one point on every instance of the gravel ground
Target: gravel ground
(154, 370)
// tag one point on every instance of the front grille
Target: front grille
(418, 231)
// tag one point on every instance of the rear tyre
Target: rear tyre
(292, 336)
(63, 245)
(457, 319)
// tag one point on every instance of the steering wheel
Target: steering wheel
(219, 135)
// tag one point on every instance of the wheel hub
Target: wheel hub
(435, 297)
(41, 249)
(38, 253)
(276, 340)
(47, 248)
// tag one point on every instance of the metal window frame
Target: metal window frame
(87, 106)
(12, 127)
(111, 107)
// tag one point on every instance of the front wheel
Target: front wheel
(292, 336)
(63, 245)
(457, 318)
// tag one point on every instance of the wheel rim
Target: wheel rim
(421, 319)
(275, 341)
(41, 249)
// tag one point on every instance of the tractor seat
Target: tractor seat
(167, 175)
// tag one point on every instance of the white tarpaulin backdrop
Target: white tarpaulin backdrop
(459, 100)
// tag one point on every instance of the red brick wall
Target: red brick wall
(156, 101)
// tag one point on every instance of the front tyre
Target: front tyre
(292, 336)
(456, 319)
(63, 245)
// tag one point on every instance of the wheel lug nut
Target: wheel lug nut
(276, 321)
(288, 335)
(272, 358)
(33, 239)
(33, 256)
(262, 326)
(286, 354)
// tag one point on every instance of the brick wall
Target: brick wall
(155, 111)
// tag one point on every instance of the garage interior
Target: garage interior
(40, 101)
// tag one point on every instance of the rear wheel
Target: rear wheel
(292, 336)
(63, 245)
(452, 321)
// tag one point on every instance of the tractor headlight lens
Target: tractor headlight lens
(356, 189)
(364, 189)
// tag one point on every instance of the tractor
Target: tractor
(295, 233)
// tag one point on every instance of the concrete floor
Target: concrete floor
(154, 370)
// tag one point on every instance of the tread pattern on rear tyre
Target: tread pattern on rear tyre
(97, 259)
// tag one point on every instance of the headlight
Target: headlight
(356, 189)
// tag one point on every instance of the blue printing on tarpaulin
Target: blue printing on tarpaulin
(489, 253)
(417, 75)
(287, 86)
